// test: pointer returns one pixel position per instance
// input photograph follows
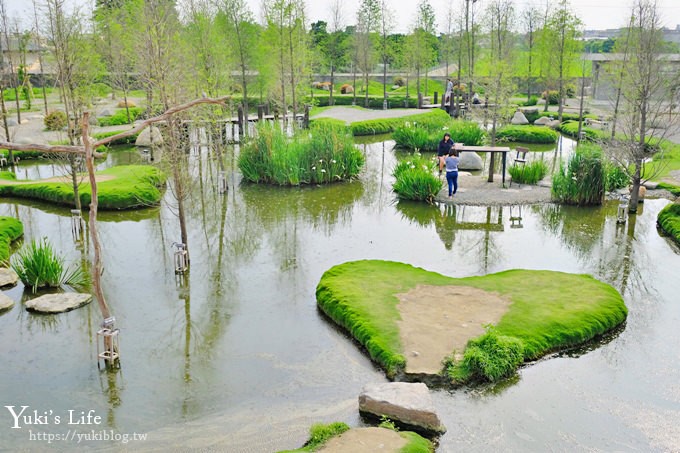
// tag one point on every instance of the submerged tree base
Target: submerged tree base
(537, 312)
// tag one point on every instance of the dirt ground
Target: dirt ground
(365, 440)
(437, 320)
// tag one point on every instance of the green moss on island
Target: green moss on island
(548, 311)
(669, 221)
(11, 229)
(129, 187)
(320, 434)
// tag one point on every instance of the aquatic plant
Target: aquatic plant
(11, 229)
(528, 173)
(387, 125)
(527, 134)
(324, 154)
(414, 179)
(39, 266)
(615, 177)
(582, 182)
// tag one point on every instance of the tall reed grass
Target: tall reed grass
(527, 134)
(529, 173)
(582, 182)
(324, 154)
(414, 179)
(39, 266)
(425, 135)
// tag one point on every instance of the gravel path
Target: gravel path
(475, 190)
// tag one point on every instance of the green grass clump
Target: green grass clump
(570, 128)
(131, 186)
(528, 173)
(39, 266)
(549, 310)
(583, 181)
(414, 179)
(322, 155)
(11, 229)
(317, 122)
(8, 176)
(426, 135)
(120, 117)
(527, 134)
(490, 357)
(669, 221)
(129, 140)
(319, 434)
(675, 190)
(387, 125)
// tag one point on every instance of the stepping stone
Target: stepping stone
(5, 302)
(402, 402)
(8, 277)
(58, 303)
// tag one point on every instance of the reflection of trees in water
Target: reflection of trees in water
(462, 222)
(595, 238)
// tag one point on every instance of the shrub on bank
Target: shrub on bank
(55, 121)
(11, 229)
(570, 128)
(324, 154)
(527, 134)
(669, 221)
(414, 179)
(582, 182)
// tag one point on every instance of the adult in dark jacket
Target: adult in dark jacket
(445, 145)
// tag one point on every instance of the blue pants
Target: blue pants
(452, 179)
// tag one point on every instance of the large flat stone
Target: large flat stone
(402, 402)
(8, 277)
(5, 302)
(58, 303)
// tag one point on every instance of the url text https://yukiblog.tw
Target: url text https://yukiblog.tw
(93, 435)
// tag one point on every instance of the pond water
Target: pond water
(238, 357)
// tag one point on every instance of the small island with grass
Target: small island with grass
(418, 324)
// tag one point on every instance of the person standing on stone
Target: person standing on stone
(449, 91)
(451, 163)
(443, 149)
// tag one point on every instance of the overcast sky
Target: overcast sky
(596, 14)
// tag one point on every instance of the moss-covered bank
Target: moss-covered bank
(11, 229)
(123, 187)
(549, 310)
(669, 221)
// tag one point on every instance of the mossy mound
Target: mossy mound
(669, 221)
(124, 187)
(11, 229)
(548, 311)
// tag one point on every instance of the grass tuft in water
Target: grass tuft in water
(425, 135)
(319, 434)
(529, 173)
(583, 181)
(415, 179)
(669, 220)
(324, 154)
(39, 266)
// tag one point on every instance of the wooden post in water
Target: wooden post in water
(436, 97)
(420, 100)
(240, 122)
(260, 112)
(305, 120)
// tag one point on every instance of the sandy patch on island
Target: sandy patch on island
(365, 440)
(437, 320)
